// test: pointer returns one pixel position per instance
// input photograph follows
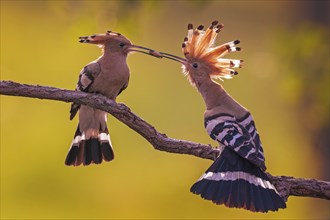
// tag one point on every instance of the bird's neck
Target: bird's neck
(216, 98)
(211, 92)
(112, 59)
(108, 53)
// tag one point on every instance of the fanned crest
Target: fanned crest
(199, 45)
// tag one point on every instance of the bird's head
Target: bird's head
(203, 60)
(114, 42)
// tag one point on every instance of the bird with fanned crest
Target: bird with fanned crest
(237, 177)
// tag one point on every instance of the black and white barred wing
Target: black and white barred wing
(240, 136)
(86, 78)
(236, 178)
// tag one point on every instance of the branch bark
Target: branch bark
(286, 186)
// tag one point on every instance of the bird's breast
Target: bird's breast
(111, 80)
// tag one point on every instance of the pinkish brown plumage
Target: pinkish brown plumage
(199, 46)
(237, 177)
(108, 75)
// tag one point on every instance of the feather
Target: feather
(80, 155)
(85, 81)
(198, 47)
(221, 194)
(190, 32)
(98, 38)
(229, 63)
(107, 152)
(87, 159)
(207, 40)
(225, 192)
(233, 190)
(105, 147)
(221, 50)
(195, 39)
(74, 149)
(199, 187)
(96, 151)
(250, 195)
(220, 75)
(185, 47)
(244, 200)
(71, 157)
(258, 199)
(235, 182)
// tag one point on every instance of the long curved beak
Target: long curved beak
(145, 50)
(173, 57)
(154, 53)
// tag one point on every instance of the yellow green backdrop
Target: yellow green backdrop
(284, 83)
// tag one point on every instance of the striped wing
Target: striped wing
(86, 78)
(240, 136)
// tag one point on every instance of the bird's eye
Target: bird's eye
(195, 65)
(122, 44)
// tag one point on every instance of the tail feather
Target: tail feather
(210, 189)
(93, 150)
(259, 204)
(249, 204)
(96, 151)
(107, 152)
(74, 150)
(235, 182)
(106, 148)
(87, 159)
(221, 195)
(71, 157)
(233, 200)
(244, 200)
(270, 202)
(80, 155)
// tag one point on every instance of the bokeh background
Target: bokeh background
(284, 83)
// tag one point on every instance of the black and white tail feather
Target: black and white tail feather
(236, 182)
(93, 150)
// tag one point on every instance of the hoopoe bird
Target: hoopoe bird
(237, 177)
(108, 75)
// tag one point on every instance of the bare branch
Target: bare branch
(286, 186)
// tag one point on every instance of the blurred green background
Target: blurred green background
(284, 83)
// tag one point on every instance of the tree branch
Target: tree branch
(286, 186)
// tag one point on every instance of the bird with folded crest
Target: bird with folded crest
(107, 75)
